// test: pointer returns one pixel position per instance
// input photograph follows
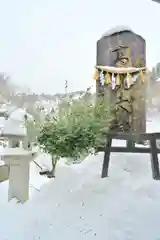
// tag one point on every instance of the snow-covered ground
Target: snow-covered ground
(78, 204)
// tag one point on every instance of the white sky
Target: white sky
(45, 42)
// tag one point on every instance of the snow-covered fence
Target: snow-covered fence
(17, 158)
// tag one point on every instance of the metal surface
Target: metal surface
(157, 1)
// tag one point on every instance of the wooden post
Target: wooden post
(106, 158)
(154, 160)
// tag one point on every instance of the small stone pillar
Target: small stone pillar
(18, 160)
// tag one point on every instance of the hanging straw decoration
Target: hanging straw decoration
(113, 82)
(102, 78)
(111, 76)
(96, 75)
(118, 81)
(142, 76)
(130, 79)
(126, 83)
(107, 78)
(135, 77)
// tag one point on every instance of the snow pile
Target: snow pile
(81, 205)
(36, 181)
(78, 204)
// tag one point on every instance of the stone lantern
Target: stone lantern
(17, 158)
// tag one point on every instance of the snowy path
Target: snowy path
(83, 206)
(79, 205)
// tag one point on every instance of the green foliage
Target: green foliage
(76, 128)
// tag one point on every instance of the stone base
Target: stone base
(19, 182)
(19, 163)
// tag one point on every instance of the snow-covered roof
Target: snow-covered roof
(19, 113)
(15, 113)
